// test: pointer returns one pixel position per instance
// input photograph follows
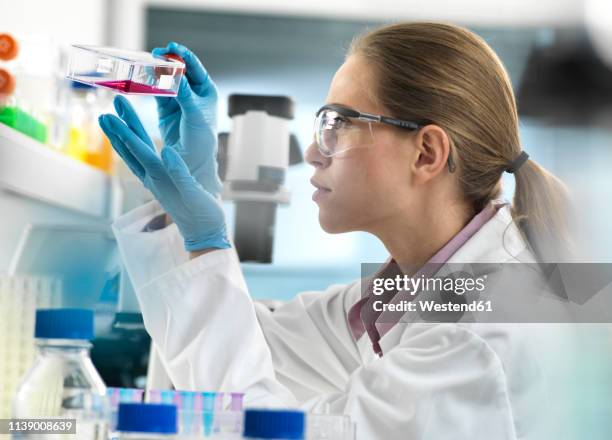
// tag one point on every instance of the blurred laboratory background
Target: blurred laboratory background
(59, 192)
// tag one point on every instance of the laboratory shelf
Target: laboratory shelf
(33, 170)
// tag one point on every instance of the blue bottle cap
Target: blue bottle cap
(273, 424)
(147, 417)
(64, 324)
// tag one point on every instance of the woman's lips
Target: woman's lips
(320, 194)
(321, 191)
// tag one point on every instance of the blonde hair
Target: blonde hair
(446, 75)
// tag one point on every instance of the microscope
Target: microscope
(253, 160)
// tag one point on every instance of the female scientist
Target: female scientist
(419, 126)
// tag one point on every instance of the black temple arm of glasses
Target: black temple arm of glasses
(400, 123)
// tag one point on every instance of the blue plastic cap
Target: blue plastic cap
(273, 424)
(64, 324)
(147, 417)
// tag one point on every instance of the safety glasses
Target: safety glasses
(338, 129)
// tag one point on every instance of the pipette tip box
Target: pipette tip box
(125, 71)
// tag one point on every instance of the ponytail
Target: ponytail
(541, 210)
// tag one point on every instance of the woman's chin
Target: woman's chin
(332, 224)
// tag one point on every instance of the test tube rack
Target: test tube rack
(20, 296)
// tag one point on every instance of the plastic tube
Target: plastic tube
(208, 409)
(236, 402)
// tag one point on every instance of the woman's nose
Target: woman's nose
(314, 157)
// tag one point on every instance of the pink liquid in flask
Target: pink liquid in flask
(128, 86)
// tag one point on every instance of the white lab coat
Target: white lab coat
(435, 381)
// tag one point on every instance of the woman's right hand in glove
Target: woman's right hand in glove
(195, 209)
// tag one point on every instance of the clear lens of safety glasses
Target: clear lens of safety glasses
(336, 133)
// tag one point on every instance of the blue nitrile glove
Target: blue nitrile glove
(188, 123)
(196, 211)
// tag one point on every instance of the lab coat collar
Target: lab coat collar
(497, 241)
(360, 324)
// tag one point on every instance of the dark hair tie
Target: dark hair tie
(516, 163)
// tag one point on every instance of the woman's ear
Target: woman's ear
(433, 147)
